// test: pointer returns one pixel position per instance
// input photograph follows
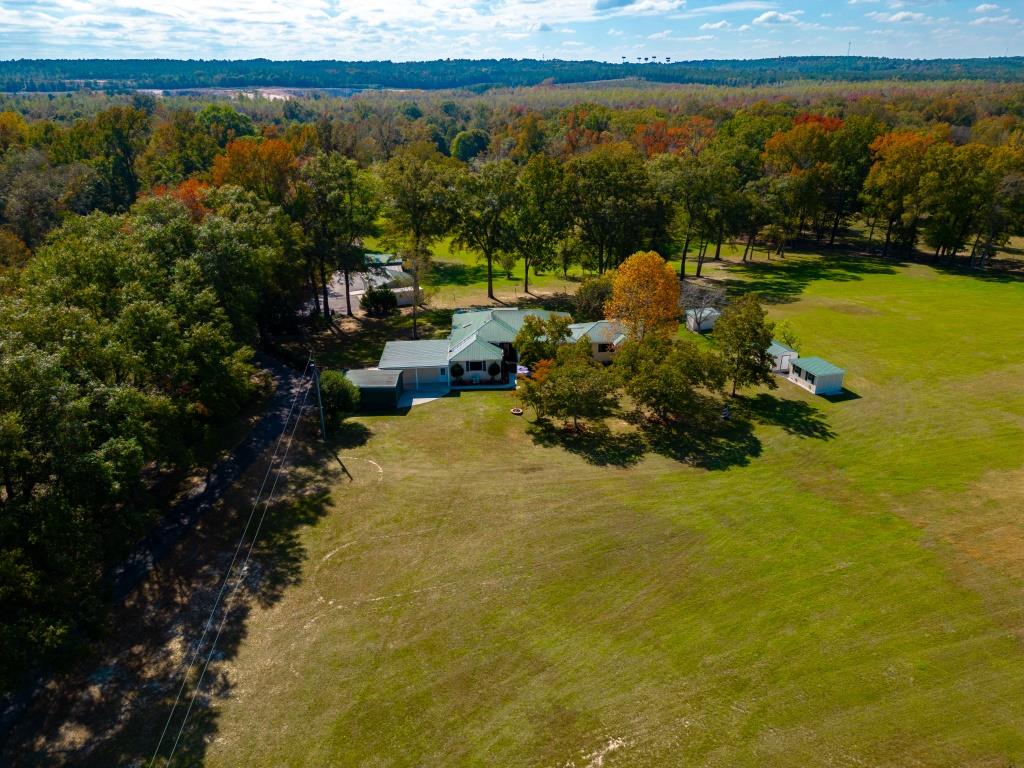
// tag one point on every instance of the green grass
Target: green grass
(848, 594)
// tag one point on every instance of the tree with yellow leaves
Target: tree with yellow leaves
(645, 296)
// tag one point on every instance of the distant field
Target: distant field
(837, 583)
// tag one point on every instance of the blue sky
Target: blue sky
(571, 29)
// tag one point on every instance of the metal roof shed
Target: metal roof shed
(820, 377)
(377, 389)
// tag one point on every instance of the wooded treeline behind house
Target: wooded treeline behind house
(69, 74)
(147, 245)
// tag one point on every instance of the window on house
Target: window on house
(475, 365)
(444, 372)
(604, 347)
(810, 377)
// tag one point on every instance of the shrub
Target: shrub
(458, 371)
(591, 297)
(340, 396)
(493, 369)
(379, 302)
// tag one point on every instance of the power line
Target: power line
(234, 559)
(241, 574)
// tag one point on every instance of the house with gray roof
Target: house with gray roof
(604, 335)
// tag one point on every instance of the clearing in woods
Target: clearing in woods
(824, 583)
(831, 583)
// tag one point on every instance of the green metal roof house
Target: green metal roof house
(478, 340)
(820, 377)
(378, 390)
(424, 362)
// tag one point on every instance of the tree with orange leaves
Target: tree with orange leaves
(892, 185)
(191, 193)
(266, 167)
(645, 296)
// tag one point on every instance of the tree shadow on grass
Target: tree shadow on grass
(781, 281)
(555, 302)
(111, 708)
(446, 273)
(348, 434)
(705, 440)
(595, 443)
(708, 443)
(794, 416)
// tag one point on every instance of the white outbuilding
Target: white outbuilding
(701, 320)
(782, 356)
(817, 376)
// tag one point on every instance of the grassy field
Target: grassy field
(832, 583)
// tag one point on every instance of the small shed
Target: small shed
(378, 390)
(782, 356)
(701, 320)
(817, 376)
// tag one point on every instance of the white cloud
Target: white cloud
(898, 17)
(723, 24)
(1005, 19)
(660, 35)
(775, 17)
(986, 8)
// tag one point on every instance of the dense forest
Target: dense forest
(171, 74)
(149, 245)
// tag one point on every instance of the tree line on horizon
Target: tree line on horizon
(110, 74)
(147, 249)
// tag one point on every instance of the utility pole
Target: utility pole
(319, 400)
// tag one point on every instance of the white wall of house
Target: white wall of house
(478, 375)
(417, 378)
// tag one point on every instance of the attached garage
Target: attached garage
(378, 390)
(424, 363)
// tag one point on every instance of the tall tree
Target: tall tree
(665, 376)
(892, 186)
(419, 195)
(484, 217)
(744, 334)
(266, 167)
(111, 142)
(645, 296)
(613, 204)
(540, 215)
(178, 148)
(339, 205)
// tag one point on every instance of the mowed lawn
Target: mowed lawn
(844, 587)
